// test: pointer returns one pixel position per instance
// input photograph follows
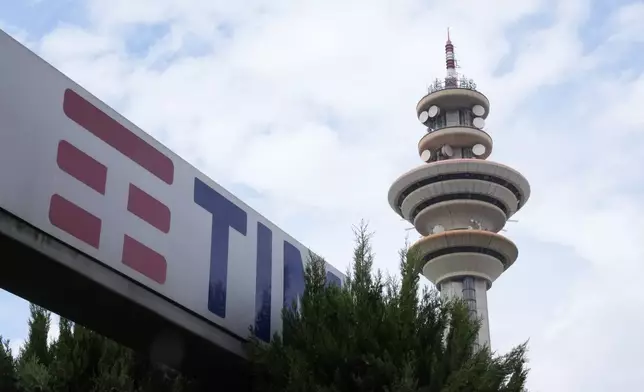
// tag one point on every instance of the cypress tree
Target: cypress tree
(376, 334)
(7, 367)
(36, 346)
(114, 369)
(87, 350)
(62, 365)
(81, 360)
(32, 368)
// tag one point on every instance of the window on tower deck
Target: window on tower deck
(452, 118)
(467, 152)
(465, 117)
(438, 122)
(437, 155)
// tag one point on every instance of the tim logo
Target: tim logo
(82, 224)
(225, 214)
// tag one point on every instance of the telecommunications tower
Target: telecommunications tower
(457, 200)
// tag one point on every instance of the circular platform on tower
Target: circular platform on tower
(458, 136)
(459, 214)
(459, 253)
(453, 98)
(458, 179)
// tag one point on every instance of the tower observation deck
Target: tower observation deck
(458, 200)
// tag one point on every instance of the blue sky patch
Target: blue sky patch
(141, 38)
(38, 17)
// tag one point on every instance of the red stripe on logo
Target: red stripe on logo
(116, 135)
(144, 260)
(81, 166)
(74, 220)
(148, 208)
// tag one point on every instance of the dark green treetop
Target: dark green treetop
(376, 334)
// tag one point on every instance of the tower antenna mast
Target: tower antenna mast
(450, 62)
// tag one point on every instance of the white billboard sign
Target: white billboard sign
(80, 172)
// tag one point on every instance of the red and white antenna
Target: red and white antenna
(450, 61)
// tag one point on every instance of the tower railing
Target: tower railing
(451, 82)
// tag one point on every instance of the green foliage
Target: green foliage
(36, 347)
(85, 356)
(62, 365)
(113, 369)
(80, 360)
(33, 376)
(377, 334)
(8, 377)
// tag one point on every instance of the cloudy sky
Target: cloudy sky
(306, 111)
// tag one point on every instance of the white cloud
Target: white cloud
(312, 105)
(627, 22)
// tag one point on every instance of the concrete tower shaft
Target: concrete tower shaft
(457, 200)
